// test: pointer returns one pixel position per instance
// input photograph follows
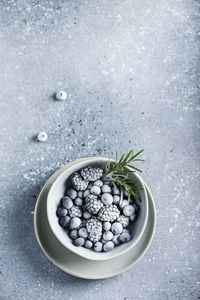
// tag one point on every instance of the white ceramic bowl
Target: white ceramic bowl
(57, 191)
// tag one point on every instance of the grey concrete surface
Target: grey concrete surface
(131, 71)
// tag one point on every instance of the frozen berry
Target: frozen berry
(74, 234)
(98, 246)
(42, 136)
(98, 183)
(83, 232)
(86, 193)
(128, 210)
(88, 244)
(108, 235)
(64, 221)
(116, 239)
(106, 189)
(71, 193)
(116, 199)
(116, 228)
(95, 190)
(125, 237)
(79, 241)
(123, 203)
(108, 246)
(61, 212)
(107, 199)
(115, 191)
(106, 226)
(132, 218)
(87, 215)
(75, 223)
(78, 201)
(67, 202)
(80, 194)
(61, 95)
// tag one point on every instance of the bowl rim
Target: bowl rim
(70, 246)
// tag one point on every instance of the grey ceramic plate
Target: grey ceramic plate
(76, 265)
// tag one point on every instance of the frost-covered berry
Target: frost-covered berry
(78, 182)
(116, 228)
(73, 234)
(106, 226)
(61, 95)
(42, 136)
(87, 215)
(93, 204)
(132, 218)
(78, 201)
(128, 210)
(79, 241)
(80, 194)
(75, 222)
(123, 203)
(115, 191)
(91, 174)
(64, 221)
(71, 193)
(108, 213)
(106, 189)
(107, 199)
(67, 202)
(116, 199)
(88, 244)
(75, 211)
(98, 246)
(94, 228)
(116, 239)
(86, 193)
(125, 237)
(95, 190)
(83, 232)
(123, 220)
(98, 183)
(108, 246)
(61, 212)
(108, 235)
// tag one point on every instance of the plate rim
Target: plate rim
(50, 181)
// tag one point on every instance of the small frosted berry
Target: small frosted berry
(125, 237)
(95, 190)
(75, 223)
(98, 246)
(128, 210)
(108, 246)
(71, 193)
(79, 241)
(108, 235)
(116, 228)
(88, 244)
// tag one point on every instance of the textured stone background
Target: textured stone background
(132, 74)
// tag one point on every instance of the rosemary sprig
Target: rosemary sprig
(119, 172)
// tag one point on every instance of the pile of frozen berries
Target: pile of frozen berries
(93, 213)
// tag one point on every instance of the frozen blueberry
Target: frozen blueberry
(78, 201)
(106, 226)
(64, 221)
(116, 239)
(80, 194)
(42, 136)
(125, 237)
(98, 183)
(98, 246)
(108, 235)
(74, 234)
(86, 193)
(87, 215)
(71, 193)
(79, 241)
(116, 228)
(108, 246)
(106, 189)
(61, 212)
(61, 95)
(128, 210)
(67, 202)
(115, 191)
(107, 199)
(124, 203)
(116, 199)
(75, 222)
(83, 232)
(95, 190)
(132, 218)
(88, 244)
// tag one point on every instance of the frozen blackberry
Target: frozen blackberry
(75, 211)
(123, 220)
(94, 228)
(93, 205)
(108, 213)
(91, 174)
(78, 182)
